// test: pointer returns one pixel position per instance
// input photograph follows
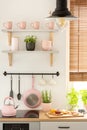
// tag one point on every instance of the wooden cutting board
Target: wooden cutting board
(63, 115)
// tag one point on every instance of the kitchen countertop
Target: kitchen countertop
(43, 117)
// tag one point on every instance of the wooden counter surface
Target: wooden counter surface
(43, 117)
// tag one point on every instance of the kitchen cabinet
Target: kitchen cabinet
(63, 125)
(0, 125)
(10, 52)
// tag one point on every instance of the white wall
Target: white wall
(30, 10)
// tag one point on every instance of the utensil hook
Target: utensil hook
(52, 76)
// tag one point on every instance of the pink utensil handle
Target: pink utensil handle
(33, 80)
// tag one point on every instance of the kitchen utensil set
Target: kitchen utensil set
(32, 97)
(11, 90)
(42, 82)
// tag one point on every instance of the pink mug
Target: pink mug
(22, 25)
(35, 25)
(46, 45)
(50, 25)
(8, 25)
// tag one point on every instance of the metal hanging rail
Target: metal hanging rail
(5, 73)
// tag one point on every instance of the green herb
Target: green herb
(46, 96)
(30, 39)
(84, 96)
(72, 98)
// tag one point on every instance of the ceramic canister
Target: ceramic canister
(15, 43)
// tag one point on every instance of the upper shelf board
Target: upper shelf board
(29, 30)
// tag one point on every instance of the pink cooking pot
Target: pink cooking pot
(9, 108)
(32, 97)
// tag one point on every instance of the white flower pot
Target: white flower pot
(46, 106)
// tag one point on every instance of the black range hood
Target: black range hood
(61, 10)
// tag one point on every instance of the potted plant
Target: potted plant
(30, 42)
(83, 94)
(72, 98)
(46, 100)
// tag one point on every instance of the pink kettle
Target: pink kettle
(9, 108)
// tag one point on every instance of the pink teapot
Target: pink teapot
(9, 108)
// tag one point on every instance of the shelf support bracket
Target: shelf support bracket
(51, 59)
(10, 58)
(9, 38)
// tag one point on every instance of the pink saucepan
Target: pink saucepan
(32, 97)
(9, 108)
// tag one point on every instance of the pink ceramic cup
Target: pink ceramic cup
(22, 25)
(46, 45)
(8, 25)
(50, 25)
(35, 25)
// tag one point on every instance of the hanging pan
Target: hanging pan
(32, 97)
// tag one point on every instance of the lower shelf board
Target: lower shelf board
(35, 51)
